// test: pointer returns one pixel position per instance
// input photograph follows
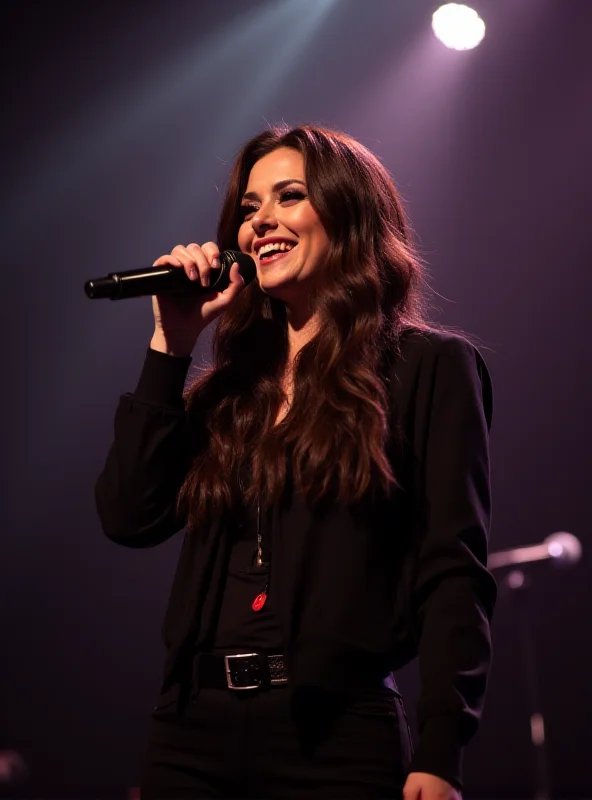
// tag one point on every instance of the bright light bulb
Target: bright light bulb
(458, 27)
(555, 549)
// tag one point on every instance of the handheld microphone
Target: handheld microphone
(168, 280)
(562, 547)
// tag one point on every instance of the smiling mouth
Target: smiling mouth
(268, 258)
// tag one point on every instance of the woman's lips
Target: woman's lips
(276, 256)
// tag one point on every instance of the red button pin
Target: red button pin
(259, 601)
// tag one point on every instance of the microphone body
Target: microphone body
(563, 548)
(168, 280)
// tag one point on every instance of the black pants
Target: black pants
(245, 744)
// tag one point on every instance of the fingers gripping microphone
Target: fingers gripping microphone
(168, 280)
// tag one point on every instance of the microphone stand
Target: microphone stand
(519, 586)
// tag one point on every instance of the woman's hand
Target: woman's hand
(179, 320)
(422, 786)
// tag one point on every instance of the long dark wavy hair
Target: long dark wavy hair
(369, 289)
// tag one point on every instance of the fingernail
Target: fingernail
(216, 263)
(193, 273)
(206, 280)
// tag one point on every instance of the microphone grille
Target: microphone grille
(246, 265)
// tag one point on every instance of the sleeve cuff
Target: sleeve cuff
(162, 379)
(439, 750)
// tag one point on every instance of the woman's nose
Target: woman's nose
(263, 220)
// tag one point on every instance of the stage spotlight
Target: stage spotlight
(458, 27)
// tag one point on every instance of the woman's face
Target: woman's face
(280, 228)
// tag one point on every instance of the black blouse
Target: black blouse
(353, 591)
(239, 627)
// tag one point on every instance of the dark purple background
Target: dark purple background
(119, 125)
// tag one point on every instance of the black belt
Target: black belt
(241, 672)
(245, 671)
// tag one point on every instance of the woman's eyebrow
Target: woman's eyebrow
(277, 187)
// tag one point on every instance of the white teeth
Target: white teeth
(267, 248)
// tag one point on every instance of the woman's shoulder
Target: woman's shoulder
(423, 342)
(430, 356)
(425, 348)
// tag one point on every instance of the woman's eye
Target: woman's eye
(292, 194)
(246, 211)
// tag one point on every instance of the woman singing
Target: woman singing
(331, 472)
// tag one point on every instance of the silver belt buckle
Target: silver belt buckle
(242, 674)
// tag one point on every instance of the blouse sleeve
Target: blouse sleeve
(137, 490)
(454, 594)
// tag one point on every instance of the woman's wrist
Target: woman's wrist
(180, 348)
